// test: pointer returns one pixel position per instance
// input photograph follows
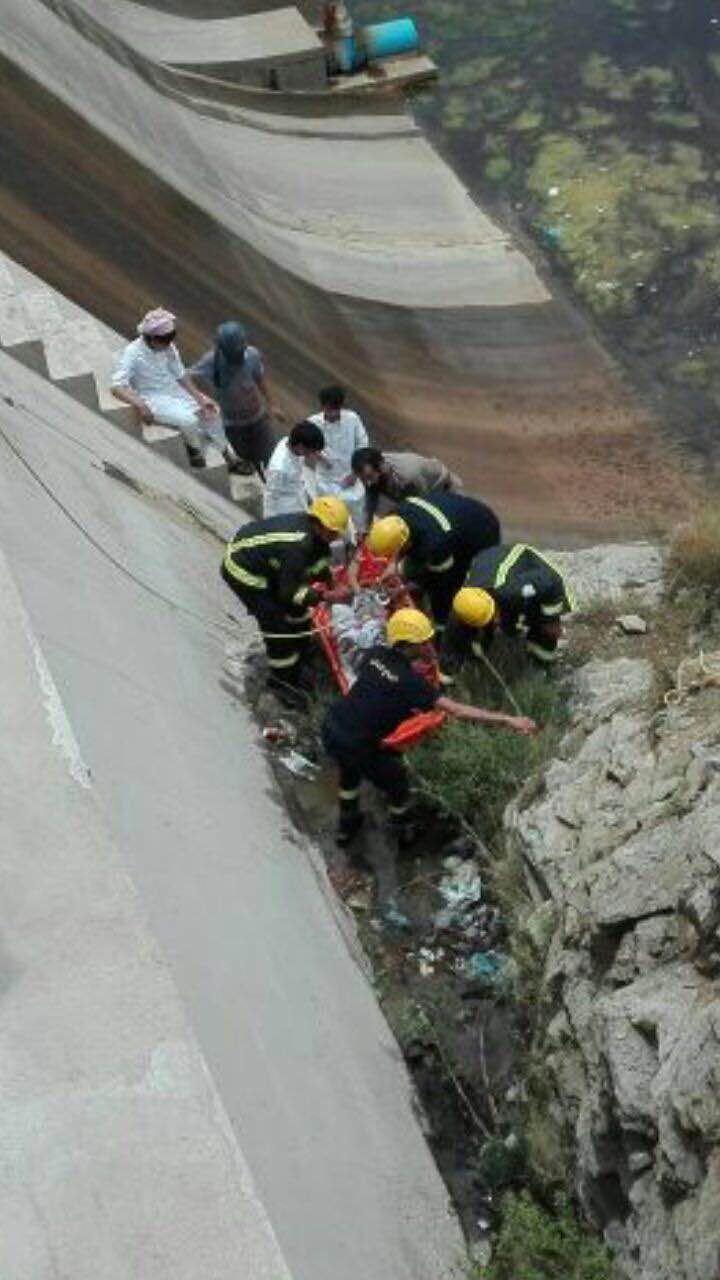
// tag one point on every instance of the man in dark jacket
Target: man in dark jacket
(389, 478)
(438, 537)
(271, 565)
(517, 589)
(387, 691)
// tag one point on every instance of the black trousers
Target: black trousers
(253, 442)
(384, 769)
(279, 629)
(441, 588)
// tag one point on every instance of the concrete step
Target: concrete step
(247, 492)
(82, 387)
(57, 339)
(216, 478)
(169, 443)
(14, 327)
(30, 353)
(122, 416)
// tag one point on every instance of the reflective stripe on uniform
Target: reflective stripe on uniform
(398, 810)
(437, 515)
(508, 563)
(300, 595)
(552, 610)
(543, 655)
(511, 560)
(477, 649)
(284, 662)
(265, 539)
(441, 568)
(349, 795)
(319, 566)
(241, 575)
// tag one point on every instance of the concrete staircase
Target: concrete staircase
(57, 339)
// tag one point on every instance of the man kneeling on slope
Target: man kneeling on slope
(515, 588)
(277, 568)
(387, 691)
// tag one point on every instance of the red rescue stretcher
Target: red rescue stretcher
(416, 728)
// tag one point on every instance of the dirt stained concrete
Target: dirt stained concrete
(520, 400)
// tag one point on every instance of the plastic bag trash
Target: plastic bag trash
(484, 966)
(461, 891)
(283, 733)
(394, 917)
(462, 886)
(299, 765)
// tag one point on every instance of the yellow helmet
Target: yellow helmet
(331, 512)
(474, 607)
(409, 625)
(387, 535)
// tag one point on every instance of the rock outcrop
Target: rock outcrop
(620, 845)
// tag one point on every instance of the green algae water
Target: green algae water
(595, 126)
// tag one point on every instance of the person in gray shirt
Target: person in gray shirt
(389, 478)
(235, 375)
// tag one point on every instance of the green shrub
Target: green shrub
(473, 772)
(694, 559)
(536, 1245)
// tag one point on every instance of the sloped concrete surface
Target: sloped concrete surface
(122, 591)
(433, 247)
(118, 1159)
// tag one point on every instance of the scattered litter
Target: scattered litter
(299, 765)
(460, 889)
(553, 192)
(360, 899)
(551, 235)
(393, 916)
(484, 966)
(283, 733)
(632, 624)
(428, 959)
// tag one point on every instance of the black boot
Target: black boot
(350, 825)
(195, 457)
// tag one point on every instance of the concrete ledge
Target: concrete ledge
(117, 1157)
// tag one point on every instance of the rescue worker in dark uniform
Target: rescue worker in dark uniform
(270, 566)
(437, 537)
(516, 589)
(387, 690)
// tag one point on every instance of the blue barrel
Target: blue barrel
(387, 39)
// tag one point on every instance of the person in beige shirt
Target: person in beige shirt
(389, 478)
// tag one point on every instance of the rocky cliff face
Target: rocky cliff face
(620, 845)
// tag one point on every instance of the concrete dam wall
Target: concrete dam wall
(338, 233)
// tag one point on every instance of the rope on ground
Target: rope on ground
(208, 623)
(694, 674)
(117, 564)
(503, 684)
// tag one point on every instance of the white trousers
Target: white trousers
(182, 412)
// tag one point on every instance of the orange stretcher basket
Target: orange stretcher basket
(415, 728)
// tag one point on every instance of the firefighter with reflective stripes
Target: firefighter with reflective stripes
(516, 589)
(271, 566)
(437, 538)
(388, 690)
